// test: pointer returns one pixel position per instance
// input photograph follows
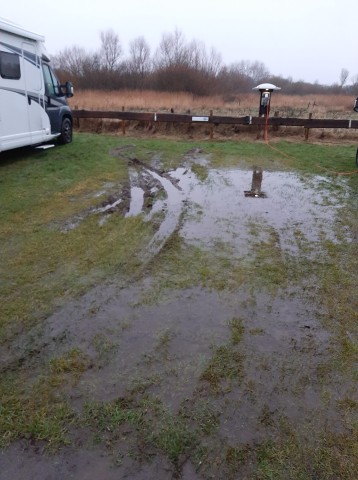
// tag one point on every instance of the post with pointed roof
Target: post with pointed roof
(265, 90)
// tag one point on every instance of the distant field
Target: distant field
(336, 106)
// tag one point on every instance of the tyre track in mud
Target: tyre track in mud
(172, 205)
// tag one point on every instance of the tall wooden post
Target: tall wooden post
(307, 130)
(77, 119)
(211, 125)
(123, 124)
(275, 127)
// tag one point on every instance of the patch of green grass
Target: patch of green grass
(164, 338)
(73, 362)
(172, 435)
(226, 364)
(333, 456)
(304, 157)
(235, 456)
(106, 417)
(183, 266)
(257, 331)
(35, 408)
(265, 416)
(103, 345)
(200, 171)
(155, 426)
(37, 414)
(202, 415)
(268, 267)
(348, 403)
(237, 330)
(139, 385)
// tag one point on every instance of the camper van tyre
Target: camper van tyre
(66, 131)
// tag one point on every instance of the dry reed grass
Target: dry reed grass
(322, 106)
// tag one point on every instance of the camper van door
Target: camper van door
(38, 120)
(14, 120)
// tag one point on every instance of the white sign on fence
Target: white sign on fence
(199, 119)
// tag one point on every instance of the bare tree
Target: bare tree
(76, 61)
(256, 70)
(200, 60)
(172, 50)
(111, 50)
(343, 77)
(214, 63)
(139, 61)
(354, 80)
(196, 54)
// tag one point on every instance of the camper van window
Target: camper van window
(10, 66)
(51, 83)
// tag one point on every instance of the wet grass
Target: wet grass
(332, 457)
(73, 362)
(237, 329)
(200, 171)
(42, 267)
(37, 412)
(166, 433)
(226, 364)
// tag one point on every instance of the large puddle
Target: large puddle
(240, 207)
(232, 206)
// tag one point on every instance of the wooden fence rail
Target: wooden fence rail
(274, 121)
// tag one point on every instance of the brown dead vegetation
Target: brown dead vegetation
(319, 106)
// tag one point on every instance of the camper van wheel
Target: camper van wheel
(66, 131)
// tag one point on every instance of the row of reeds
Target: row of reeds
(322, 106)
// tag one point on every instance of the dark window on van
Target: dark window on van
(52, 86)
(10, 66)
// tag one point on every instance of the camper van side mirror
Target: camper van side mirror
(68, 89)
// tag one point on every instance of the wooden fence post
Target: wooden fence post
(123, 123)
(276, 127)
(77, 119)
(258, 135)
(211, 125)
(307, 130)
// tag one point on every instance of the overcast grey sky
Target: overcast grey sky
(310, 40)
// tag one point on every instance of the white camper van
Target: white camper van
(33, 104)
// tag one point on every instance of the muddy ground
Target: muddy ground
(207, 379)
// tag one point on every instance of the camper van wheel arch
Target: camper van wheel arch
(66, 131)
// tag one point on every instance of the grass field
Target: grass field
(202, 335)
